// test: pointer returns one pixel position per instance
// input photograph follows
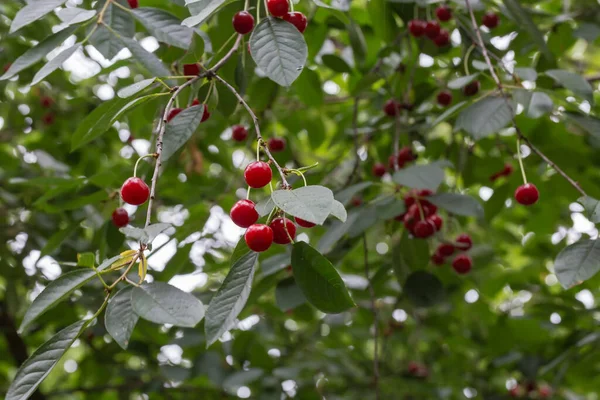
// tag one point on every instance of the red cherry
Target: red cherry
(243, 22)
(508, 169)
(491, 20)
(356, 201)
(445, 250)
(48, 119)
(417, 27)
(6, 67)
(443, 13)
(378, 170)
(443, 39)
(239, 133)
(437, 222)
(515, 392)
(297, 19)
(471, 89)
(392, 160)
(424, 229)
(46, 101)
(527, 194)
(413, 368)
(135, 191)
(432, 29)
(545, 392)
(276, 144)
(444, 98)
(424, 192)
(392, 107)
(243, 213)
(173, 113)
(191, 69)
(133, 3)
(464, 242)
(284, 230)
(196, 102)
(120, 218)
(278, 8)
(303, 223)
(437, 259)
(530, 386)
(259, 237)
(258, 174)
(462, 263)
(429, 209)
(406, 154)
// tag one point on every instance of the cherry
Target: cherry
(243, 213)
(46, 101)
(438, 259)
(120, 218)
(297, 19)
(276, 144)
(417, 27)
(259, 237)
(527, 194)
(406, 155)
(243, 22)
(424, 229)
(444, 98)
(506, 171)
(356, 201)
(258, 174)
(135, 191)
(6, 67)
(378, 170)
(471, 89)
(278, 8)
(465, 242)
(191, 69)
(443, 13)
(445, 250)
(303, 223)
(437, 222)
(432, 29)
(173, 113)
(133, 3)
(491, 20)
(239, 133)
(462, 263)
(443, 39)
(392, 107)
(428, 209)
(545, 392)
(205, 114)
(284, 230)
(515, 392)
(413, 368)
(48, 119)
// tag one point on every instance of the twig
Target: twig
(511, 108)
(261, 142)
(355, 137)
(375, 320)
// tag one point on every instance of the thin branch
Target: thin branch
(261, 142)
(511, 108)
(375, 319)
(355, 139)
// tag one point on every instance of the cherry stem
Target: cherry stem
(466, 60)
(248, 193)
(138, 161)
(510, 106)
(284, 182)
(302, 169)
(246, 5)
(292, 5)
(258, 4)
(520, 158)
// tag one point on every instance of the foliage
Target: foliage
(175, 305)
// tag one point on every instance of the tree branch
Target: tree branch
(511, 108)
(375, 320)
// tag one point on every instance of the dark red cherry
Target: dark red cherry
(243, 213)
(284, 230)
(432, 29)
(243, 22)
(464, 242)
(527, 194)
(239, 133)
(297, 19)
(278, 8)
(443, 13)
(491, 20)
(462, 263)
(303, 223)
(120, 218)
(444, 98)
(416, 27)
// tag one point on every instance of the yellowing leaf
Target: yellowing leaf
(143, 268)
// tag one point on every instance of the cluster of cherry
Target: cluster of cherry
(530, 390)
(47, 102)
(239, 133)
(135, 192)
(432, 29)
(243, 21)
(404, 156)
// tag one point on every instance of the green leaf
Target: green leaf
(527, 74)
(357, 42)
(319, 280)
(410, 255)
(180, 129)
(458, 204)
(336, 63)
(279, 49)
(536, 104)
(339, 211)
(344, 196)
(146, 59)
(87, 260)
(42, 361)
(119, 318)
(308, 88)
(164, 26)
(231, 298)
(152, 231)
(201, 10)
(390, 209)
(447, 114)
(74, 15)
(420, 177)
(53, 64)
(274, 264)
(572, 81)
(162, 303)
(57, 238)
(523, 20)
(32, 12)
(463, 81)
(485, 117)
(38, 52)
(367, 218)
(592, 208)
(424, 289)
(577, 262)
(121, 22)
(588, 123)
(134, 88)
(288, 295)
(265, 206)
(310, 203)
